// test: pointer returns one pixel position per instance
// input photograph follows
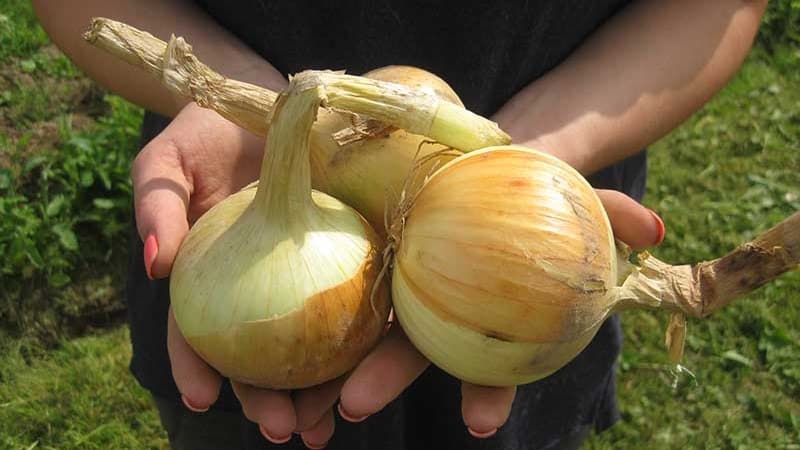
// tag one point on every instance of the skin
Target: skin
(652, 65)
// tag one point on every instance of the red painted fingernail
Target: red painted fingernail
(191, 407)
(483, 435)
(662, 230)
(348, 417)
(272, 439)
(150, 254)
(314, 446)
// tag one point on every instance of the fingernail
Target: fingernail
(348, 417)
(191, 407)
(314, 446)
(150, 254)
(272, 439)
(662, 230)
(483, 435)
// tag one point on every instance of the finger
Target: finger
(161, 195)
(317, 436)
(272, 410)
(312, 403)
(484, 408)
(631, 222)
(391, 367)
(198, 383)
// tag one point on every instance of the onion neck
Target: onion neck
(699, 290)
(284, 190)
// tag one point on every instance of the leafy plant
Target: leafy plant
(65, 209)
(781, 24)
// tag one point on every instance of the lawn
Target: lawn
(727, 174)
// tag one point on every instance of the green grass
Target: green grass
(19, 34)
(65, 195)
(65, 201)
(726, 175)
(729, 173)
(78, 396)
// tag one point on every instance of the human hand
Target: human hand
(200, 159)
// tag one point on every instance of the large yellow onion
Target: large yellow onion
(506, 267)
(369, 173)
(274, 285)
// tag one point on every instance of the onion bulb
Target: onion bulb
(506, 266)
(275, 286)
(369, 170)
(363, 163)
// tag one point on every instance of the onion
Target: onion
(275, 286)
(272, 286)
(364, 164)
(367, 169)
(506, 267)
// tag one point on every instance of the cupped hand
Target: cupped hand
(198, 160)
(201, 158)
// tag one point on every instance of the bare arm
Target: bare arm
(66, 21)
(634, 80)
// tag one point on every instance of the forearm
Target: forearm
(634, 80)
(66, 21)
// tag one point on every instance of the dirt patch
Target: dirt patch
(32, 104)
(93, 300)
(29, 97)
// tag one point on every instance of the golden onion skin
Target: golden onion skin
(416, 78)
(368, 174)
(281, 347)
(273, 285)
(506, 266)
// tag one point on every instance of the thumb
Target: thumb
(631, 222)
(161, 193)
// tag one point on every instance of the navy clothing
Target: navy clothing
(487, 51)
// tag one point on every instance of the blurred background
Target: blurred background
(66, 146)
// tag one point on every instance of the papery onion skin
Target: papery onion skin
(506, 266)
(321, 338)
(369, 173)
(273, 286)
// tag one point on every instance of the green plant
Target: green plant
(64, 209)
(780, 25)
(20, 35)
(78, 396)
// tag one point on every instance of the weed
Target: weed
(63, 212)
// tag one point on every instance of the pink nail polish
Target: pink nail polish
(348, 417)
(314, 446)
(191, 407)
(268, 437)
(483, 435)
(662, 230)
(150, 254)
